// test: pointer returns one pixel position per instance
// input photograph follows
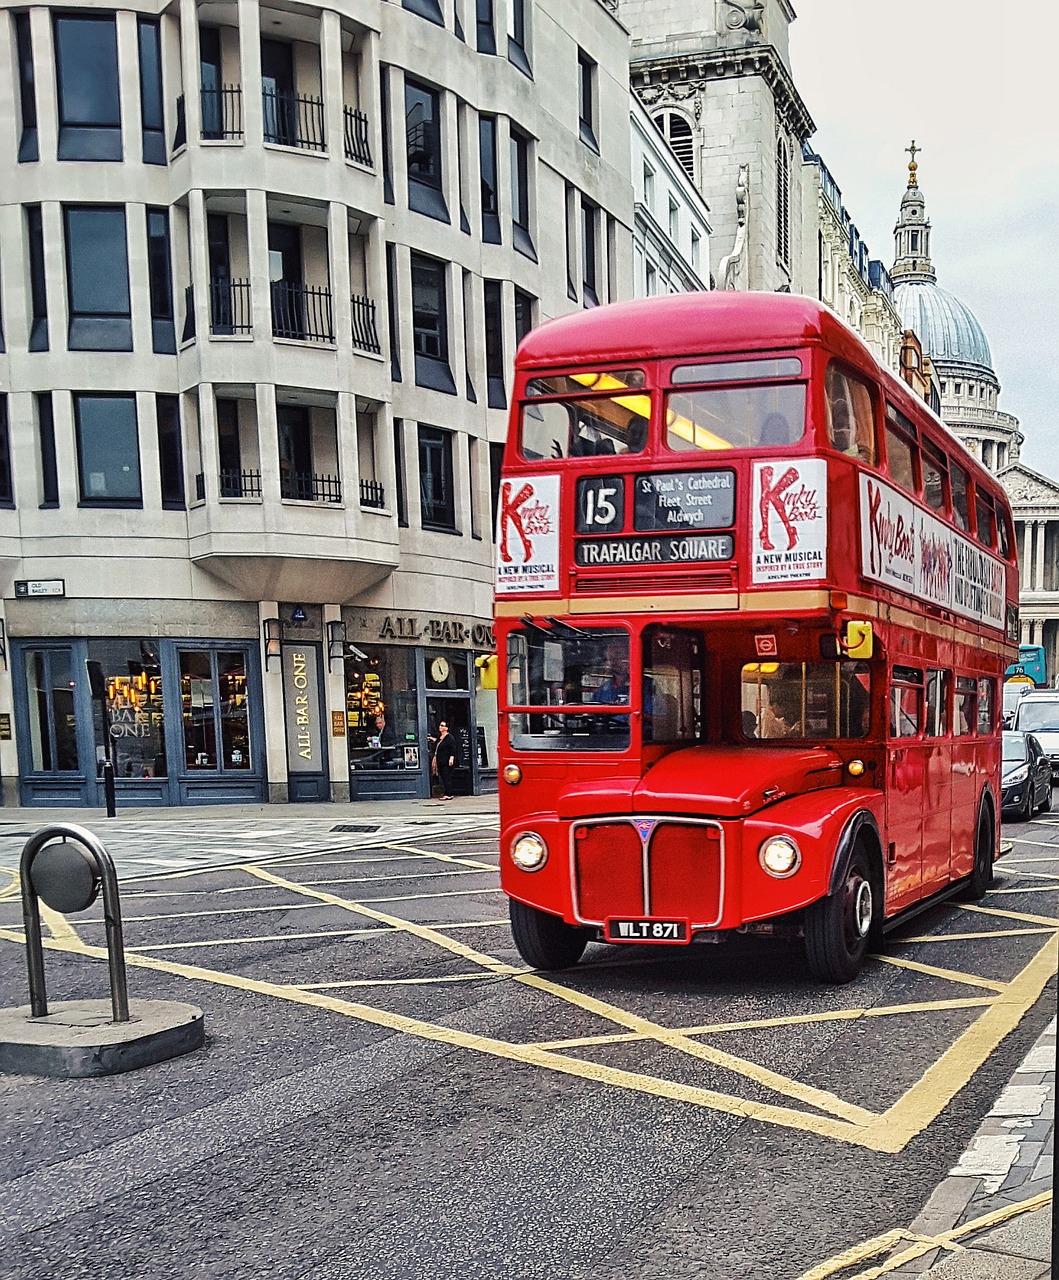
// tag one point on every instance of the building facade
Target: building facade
(263, 267)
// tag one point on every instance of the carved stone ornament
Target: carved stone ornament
(745, 14)
(1027, 491)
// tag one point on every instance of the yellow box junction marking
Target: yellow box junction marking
(844, 1121)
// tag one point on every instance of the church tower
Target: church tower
(715, 77)
(912, 233)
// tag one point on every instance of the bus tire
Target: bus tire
(544, 941)
(839, 927)
(981, 878)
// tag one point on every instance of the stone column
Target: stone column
(335, 700)
(1038, 566)
(272, 696)
(250, 71)
(200, 263)
(190, 66)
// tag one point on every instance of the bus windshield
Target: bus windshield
(806, 699)
(566, 666)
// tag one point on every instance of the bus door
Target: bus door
(937, 800)
(964, 776)
(905, 788)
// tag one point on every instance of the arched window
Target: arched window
(677, 132)
(783, 203)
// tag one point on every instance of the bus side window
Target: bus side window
(985, 706)
(937, 704)
(850, 418)
(966, 706)
(672, 686)
(901, 449)
(961, 502)
(906, 701)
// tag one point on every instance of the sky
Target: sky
(976, 85)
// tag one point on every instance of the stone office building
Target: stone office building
(262, 270)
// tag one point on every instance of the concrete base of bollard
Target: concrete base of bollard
(77, 1037)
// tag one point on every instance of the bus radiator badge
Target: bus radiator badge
(644, 827)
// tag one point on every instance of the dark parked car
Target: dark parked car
(1027, 776)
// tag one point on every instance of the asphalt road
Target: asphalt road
(386, 1092)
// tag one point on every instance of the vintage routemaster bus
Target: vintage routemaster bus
(754, 604)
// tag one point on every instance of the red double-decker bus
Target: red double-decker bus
(754, 604)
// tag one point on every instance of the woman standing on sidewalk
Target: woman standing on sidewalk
(443, 760)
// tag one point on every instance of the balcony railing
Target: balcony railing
(293, 119)
(365, 334)
(372, 494)
(230, 308)
(240, 484)
(302, 487)
(222, 113)
(189, 314)
(358, 147)
(302, 312)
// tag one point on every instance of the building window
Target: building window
(135, 711)
(674, 220)
(496, 463)
(170, 452)
(494, 343)
(589, 253)
(86, 67)
(49, 471)
(648, 185)
(570, 206)
(437, 497)
(423, 136)
(38, 332)
(384, 110)
(380, 681)
(27, 93)
(586, 99)
(490, 187)
(429, 9)
(399, 470)
(517, 48)
(650, 279)
(430, 328)
(160, 281)
(391, 312)
(216, 713)
(696, 251)
(520, 193)
(52, 724)
(677, 132)
(523, 314)
(7, 488)
(108, 450)
(97, 279)
(152, 114)
(783, 203)
(485, 26)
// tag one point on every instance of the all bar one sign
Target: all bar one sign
(301, 699)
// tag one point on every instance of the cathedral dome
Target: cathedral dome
(947, 328)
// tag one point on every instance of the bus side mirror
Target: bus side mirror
(858, 641)
(488, 673)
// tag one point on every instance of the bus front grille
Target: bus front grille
(661, 868)
(637, 584)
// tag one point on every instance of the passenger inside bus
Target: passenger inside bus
(782, 717)
(777, 430)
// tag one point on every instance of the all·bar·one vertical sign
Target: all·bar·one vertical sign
(301, 703)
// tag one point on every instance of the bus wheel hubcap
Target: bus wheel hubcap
(862, 908)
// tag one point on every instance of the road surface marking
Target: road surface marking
(950, 975)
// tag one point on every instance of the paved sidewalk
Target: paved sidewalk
(994, 1210)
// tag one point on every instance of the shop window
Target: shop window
(131, 713)
(27, 93)
(214, 710)
(381, 724)
(487, 159)
(86, 66)
(52, 739)
(97, 279)
(437, 496)
(151, 110)
(108, 450)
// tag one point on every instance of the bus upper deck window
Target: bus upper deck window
(985, 518)
(721, 418)
(935, 475)
(901, 449)
(961, 502)
(850, 418)
(581, 426)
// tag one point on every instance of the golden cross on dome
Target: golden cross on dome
(912, 166)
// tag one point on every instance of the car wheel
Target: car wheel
(544, 941)
(1046, 803)
(1026, 812)
(838, 927)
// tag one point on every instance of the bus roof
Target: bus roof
(688, 324)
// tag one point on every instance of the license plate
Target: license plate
(646, 930)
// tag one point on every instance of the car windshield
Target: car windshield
(1034, 716)
(1014, 748)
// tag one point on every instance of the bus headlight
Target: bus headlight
(512, 774)
(780, 857)
(529, 852)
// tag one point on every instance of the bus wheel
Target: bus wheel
(837, 928)
(545, 941)
(981, 878)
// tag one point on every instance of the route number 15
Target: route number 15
(600, 504)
